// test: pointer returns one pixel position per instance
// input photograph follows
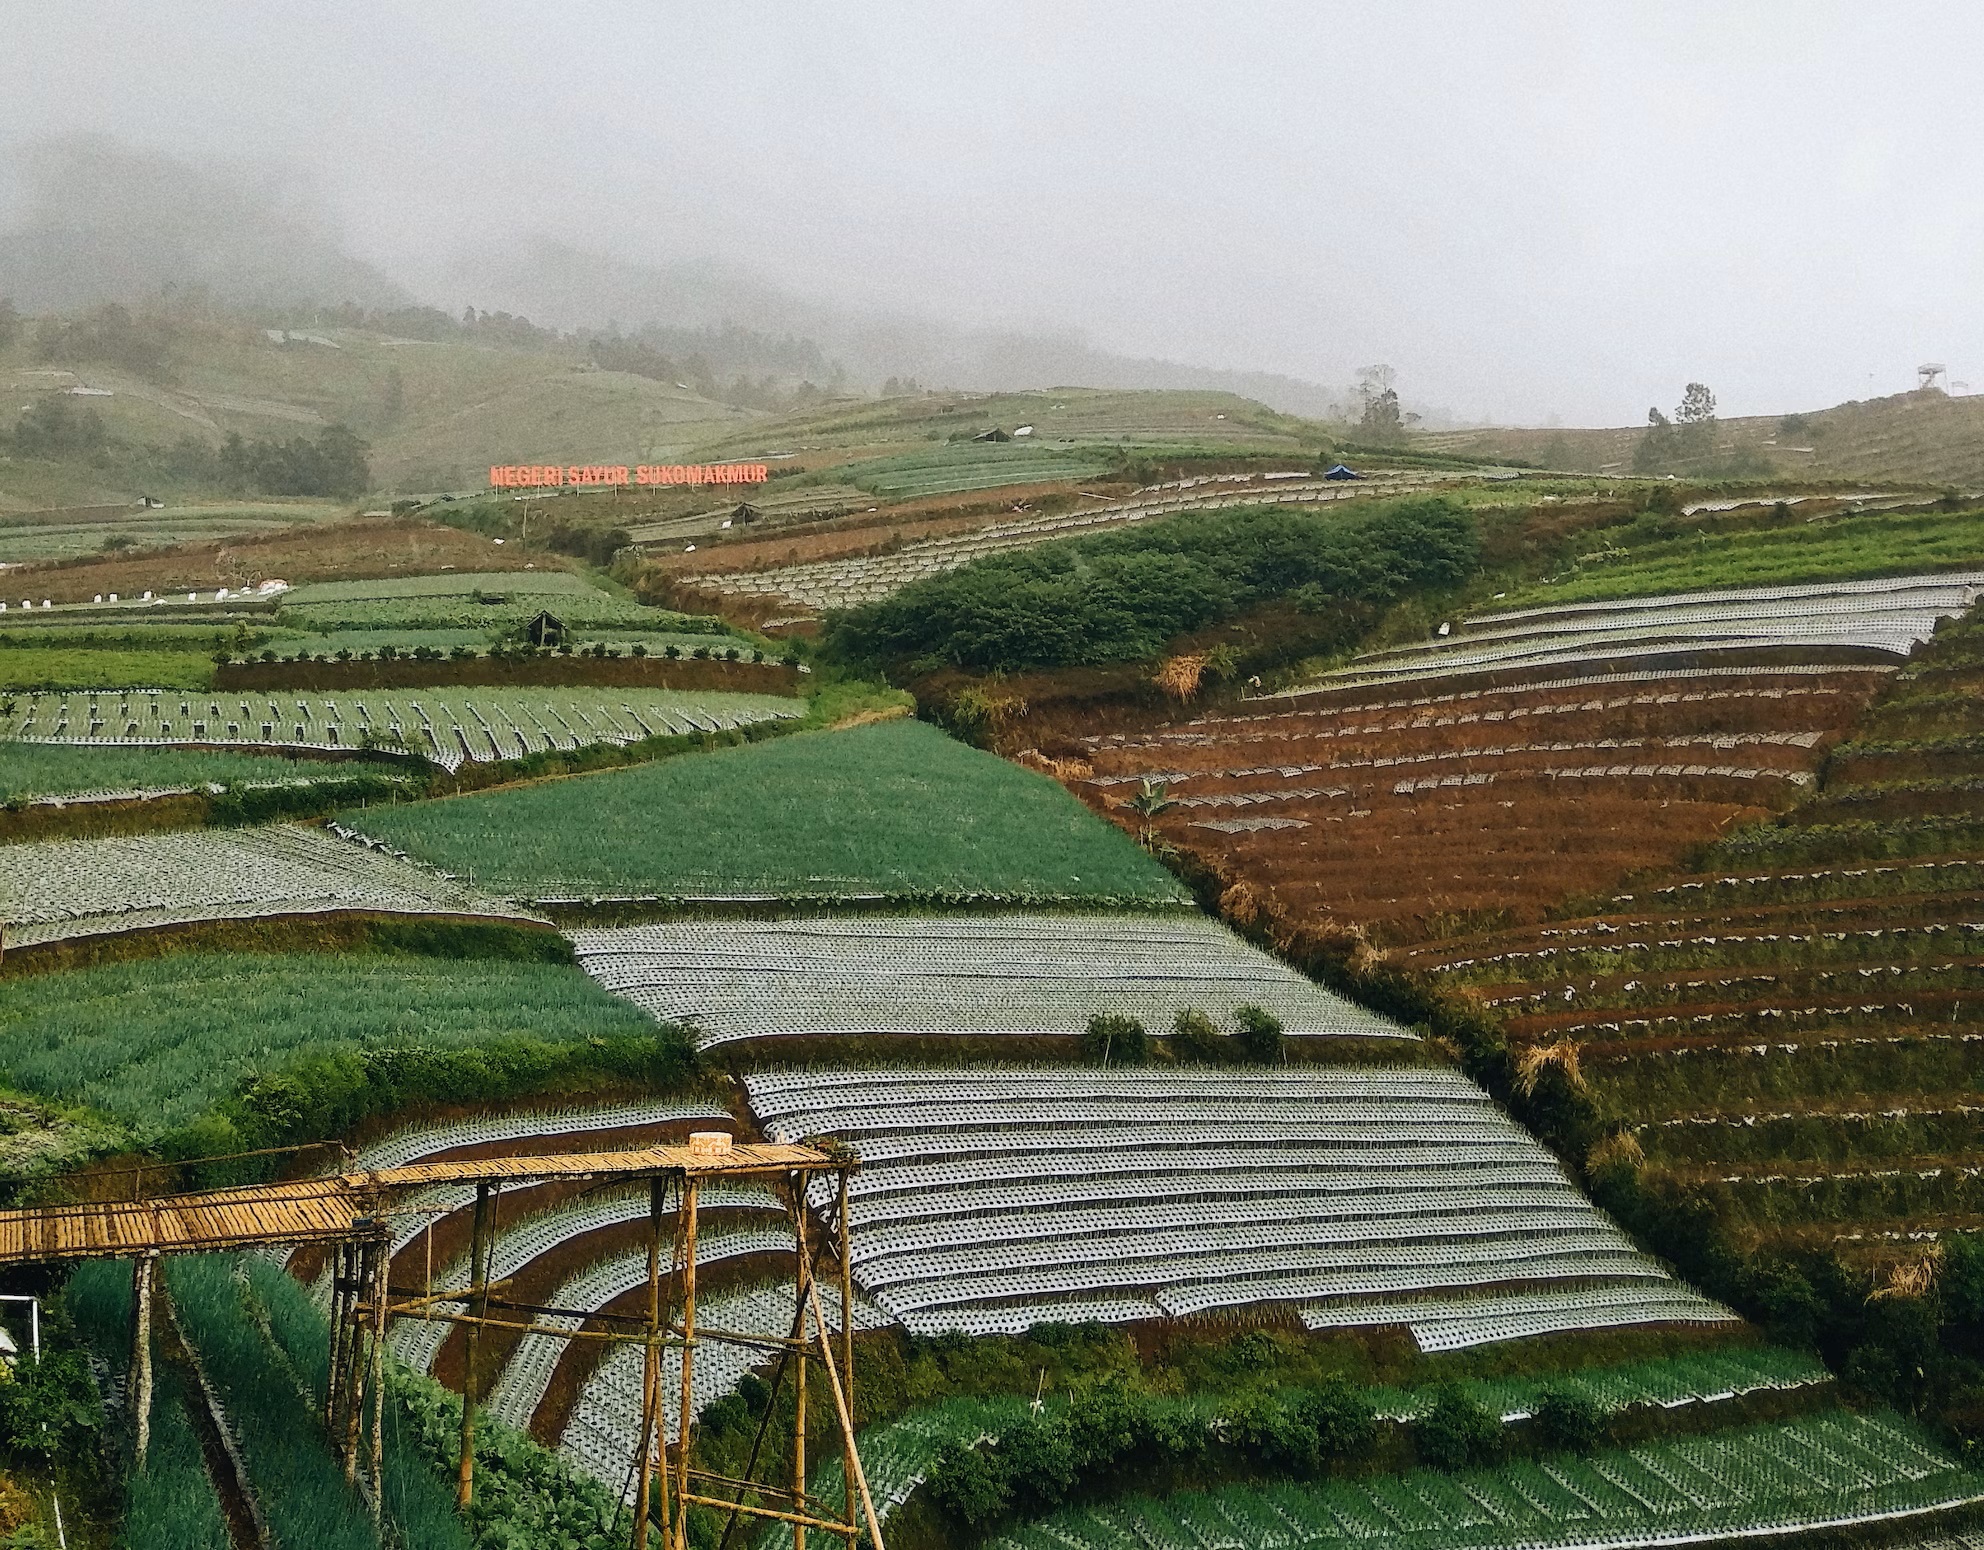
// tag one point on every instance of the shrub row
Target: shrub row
(1111, 1440)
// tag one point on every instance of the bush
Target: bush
(1040, 1466)
(1457, 1432)
(1342, 1419)
(969, 1484)
(1196, 1037)
(49, 1408)
(1567, 1422)
(1121, 596)
(1261, 1040)
(1114, 1040)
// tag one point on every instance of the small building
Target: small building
(1341, 472)
(745, 514)
(994, 434)
(545, 629)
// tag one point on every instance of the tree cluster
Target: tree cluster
(1122, 596)
(1111, 1435)
(1112, 1039)
(1690, 437)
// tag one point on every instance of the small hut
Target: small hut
(545, 630)
(994, 434)
(1341, 472)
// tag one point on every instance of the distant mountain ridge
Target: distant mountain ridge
(98, 221)
(553, 282)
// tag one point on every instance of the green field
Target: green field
(155, 1043)
(82, 667)
(947, 469)
(895, 810)
(1825, 550)
(29, 770)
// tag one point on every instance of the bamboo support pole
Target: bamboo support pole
(843, 1405)
(768, 1512)
(650, 1368)
(479, 1287)
(801, 1280)
(686, 1241)
(382, 1256)
(144, 1271)
(340, 1334)
(841, 1231)
(357, 1360)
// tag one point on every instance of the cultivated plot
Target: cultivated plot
(54, 890)
(992, 1200)
(981, 974)
(1888, 617)
(890, 811)
(448, 727)
(1404, 814)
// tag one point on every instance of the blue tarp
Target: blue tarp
(1340, 472)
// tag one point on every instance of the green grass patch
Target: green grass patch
(70, 667)
(895, 809)
(158, 1044)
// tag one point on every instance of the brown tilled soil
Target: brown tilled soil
(362, 549)
(1408, 867)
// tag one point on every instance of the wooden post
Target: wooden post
(357, 1360)
(144, 1271)
(334, 1385)
(651, 1421)
(382, 1264)
(802, 1279)
(847, 1352)
(688, 1250)
(478, 1269)
(843, 1407)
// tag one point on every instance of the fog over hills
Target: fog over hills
(91, 220)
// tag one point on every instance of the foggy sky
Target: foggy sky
(1530, 209)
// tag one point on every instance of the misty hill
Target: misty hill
(96, 221)
(137, 391)
(553, 282)
(1920, 438)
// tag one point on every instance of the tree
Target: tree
(1115, 1039)
(1457, 1431)
(969, 1484)
(1260, 1038)
(53, 427)
(1382, 419)
(1656, 447)
(1567, 1422)
(1195, 1037)
(1695, 421)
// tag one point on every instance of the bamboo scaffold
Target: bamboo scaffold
(352, 1215)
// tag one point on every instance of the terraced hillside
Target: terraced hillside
(58, 890)
(1004, 975)
(1789, 1026)
(447, 727)
(854, 580)
(1487, 776)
